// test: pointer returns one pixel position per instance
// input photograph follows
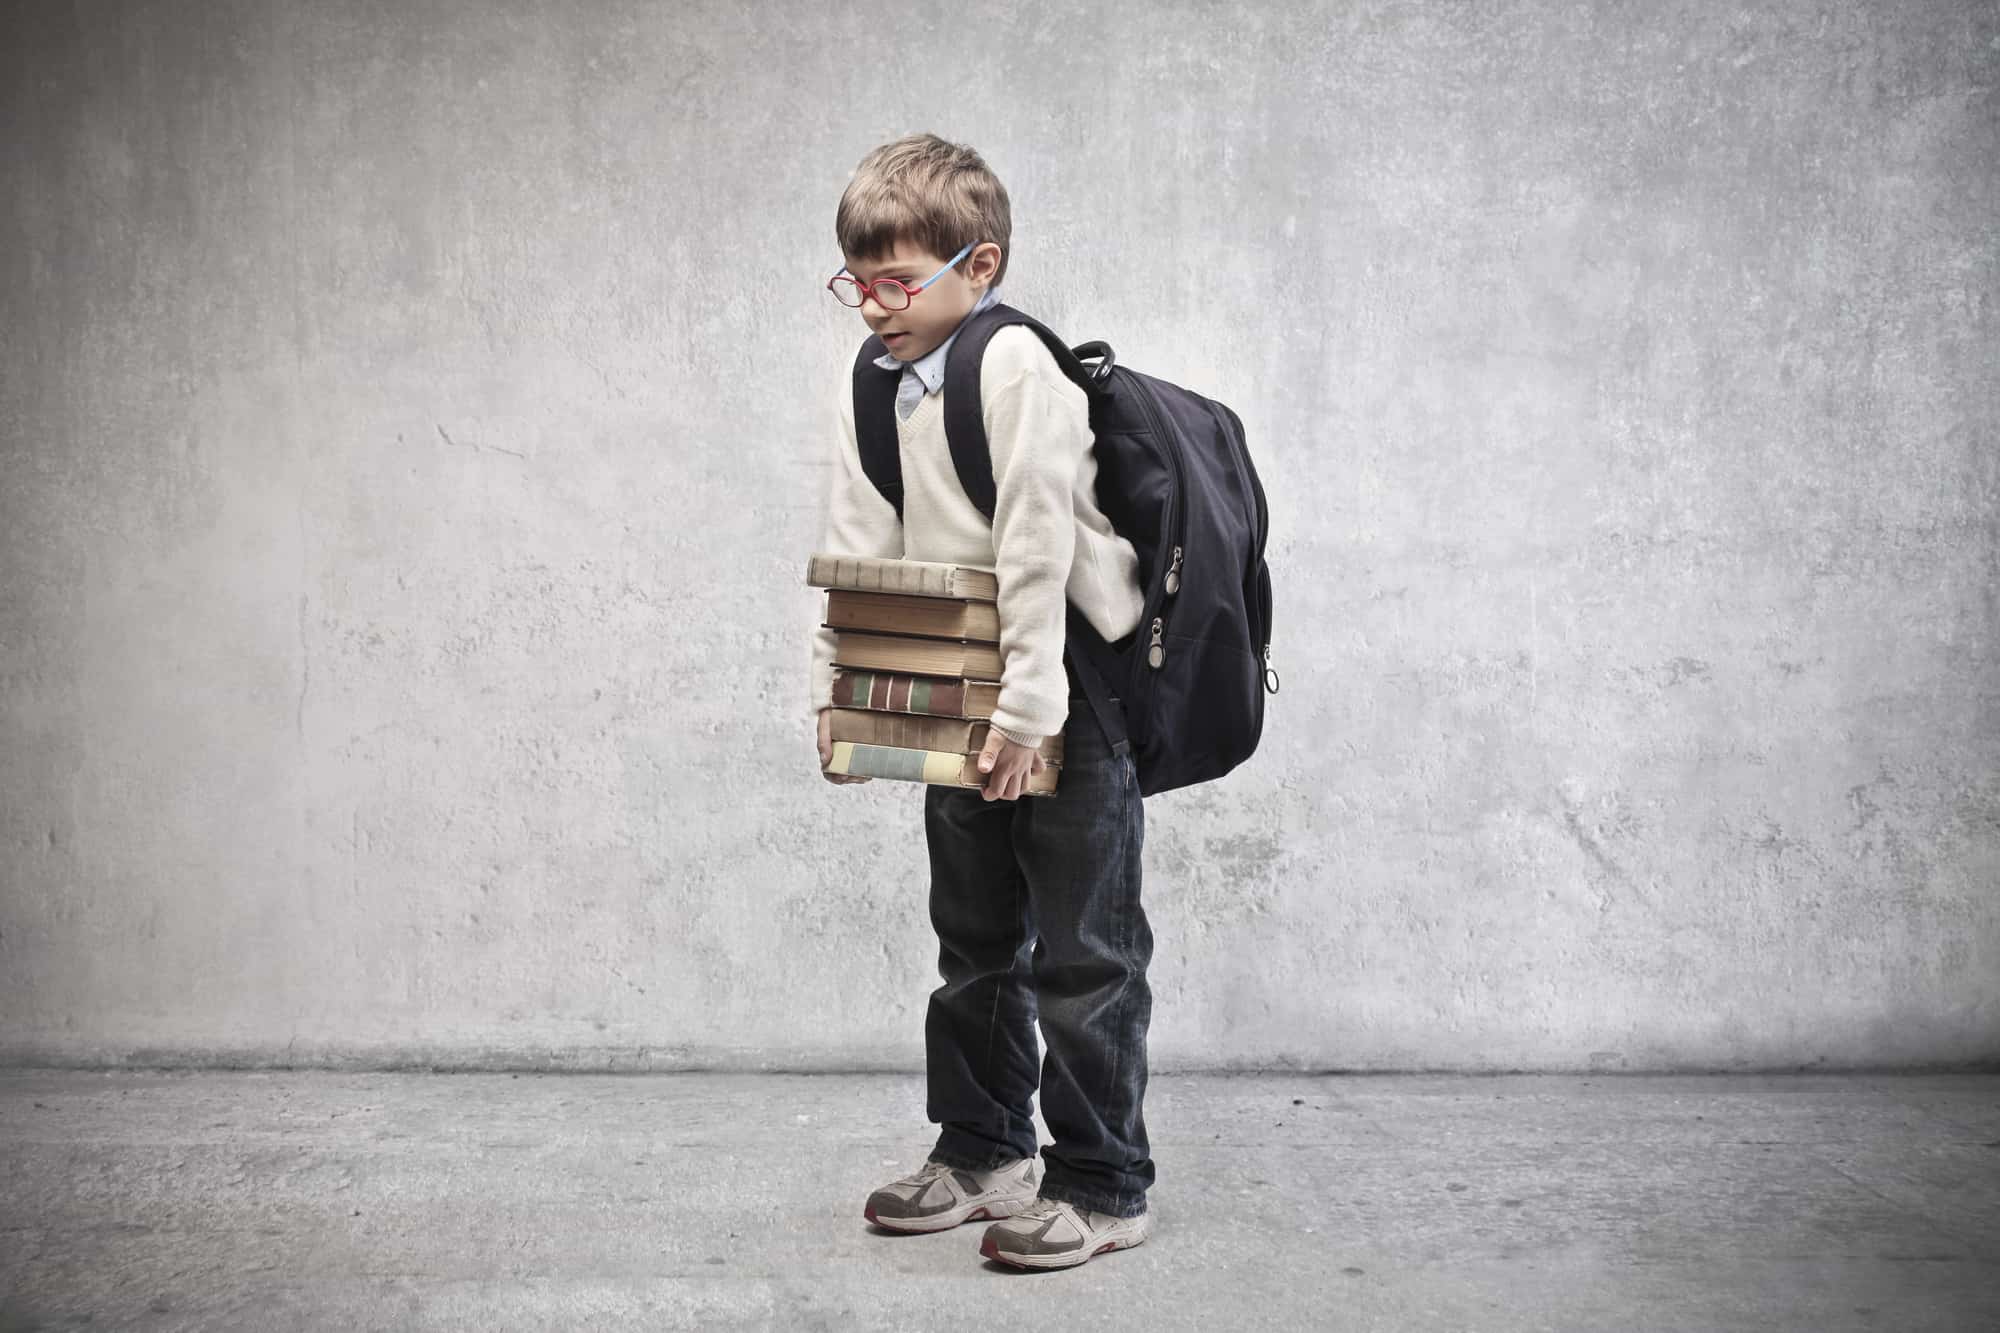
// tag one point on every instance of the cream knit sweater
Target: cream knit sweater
(1048, 542)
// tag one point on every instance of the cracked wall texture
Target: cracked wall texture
(414, 424)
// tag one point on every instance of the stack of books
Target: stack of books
(916, 670)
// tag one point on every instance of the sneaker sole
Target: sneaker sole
(991, 1250)
(990, 1210)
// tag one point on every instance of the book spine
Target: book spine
(939, 767)
(912, 731)
(954, 618)
(883, 761)
(894, 692)
(917, 578)
(917, 655)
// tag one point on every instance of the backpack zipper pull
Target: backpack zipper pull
(1174, 574)
(1270, 676)
(1155, 653)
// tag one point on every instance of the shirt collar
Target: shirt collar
(930, 366)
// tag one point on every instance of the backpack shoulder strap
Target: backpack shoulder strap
(971, 455)
(875, 422)
(964, 416)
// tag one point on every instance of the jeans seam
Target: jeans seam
(1000, 984)
(1121, 878)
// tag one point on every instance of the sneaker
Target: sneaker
(1053, 1233)
(937, 1197)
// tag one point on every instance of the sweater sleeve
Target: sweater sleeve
(1038, 431)
(859, 521)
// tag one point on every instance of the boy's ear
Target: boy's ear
(983, 262)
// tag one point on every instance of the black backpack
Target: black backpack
(1185, 690)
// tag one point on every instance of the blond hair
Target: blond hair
(926, 190)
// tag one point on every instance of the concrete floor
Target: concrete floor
(306, 1200)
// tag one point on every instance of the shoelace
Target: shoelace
(928, 1172)
(1041, 1208)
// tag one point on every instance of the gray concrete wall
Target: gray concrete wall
(413, 415)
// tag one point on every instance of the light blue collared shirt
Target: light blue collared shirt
(926, 373)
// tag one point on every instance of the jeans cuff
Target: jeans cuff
(986, 1159)
(1118, 1205)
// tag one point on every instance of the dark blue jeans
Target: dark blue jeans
(1036, 906)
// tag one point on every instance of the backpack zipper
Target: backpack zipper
(1156, 652)
(1263, 523)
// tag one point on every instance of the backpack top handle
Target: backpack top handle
(1100, 351)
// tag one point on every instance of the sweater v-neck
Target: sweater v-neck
(927, 406)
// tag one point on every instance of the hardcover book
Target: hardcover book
(910, 732)
(915, 578)
(947, 768)
(897, 613)
(925, 657)
(902, 692)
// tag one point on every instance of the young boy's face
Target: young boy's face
(935, 311)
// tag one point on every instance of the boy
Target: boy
(1035, 902)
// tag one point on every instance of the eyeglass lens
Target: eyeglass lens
(888, 294)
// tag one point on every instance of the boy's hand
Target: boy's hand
(1008, 766)
(826, 750)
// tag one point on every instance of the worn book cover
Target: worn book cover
(945, 768)
(898, 613)
(915, 578)
(918, 656)
(911, 732)
(902, 692)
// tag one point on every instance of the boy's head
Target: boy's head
(911, 207)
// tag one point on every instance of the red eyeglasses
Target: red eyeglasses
(889, 293)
